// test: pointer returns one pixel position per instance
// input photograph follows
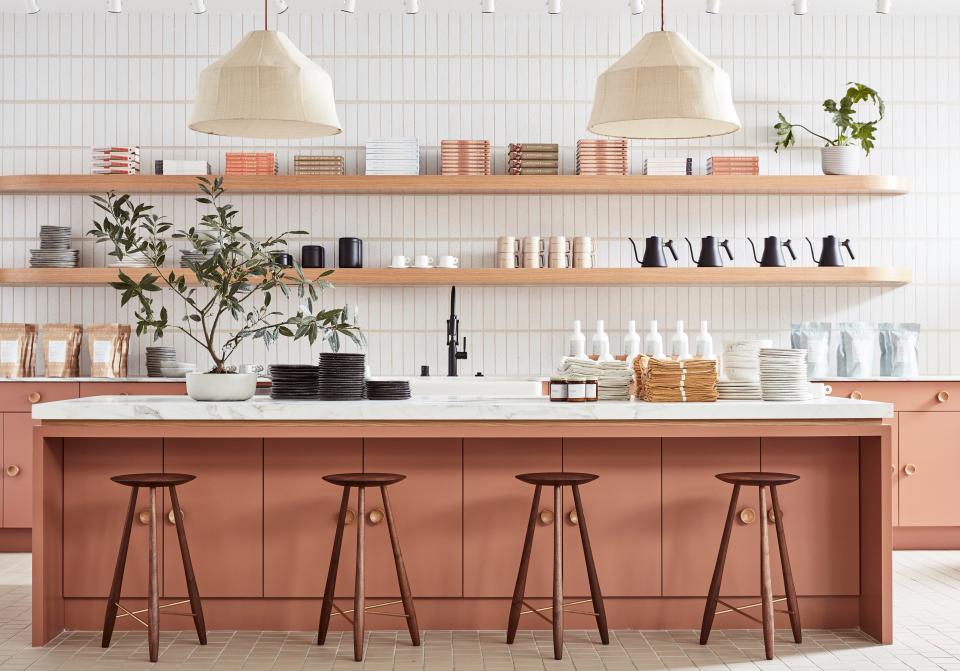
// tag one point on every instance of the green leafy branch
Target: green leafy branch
(842, 115)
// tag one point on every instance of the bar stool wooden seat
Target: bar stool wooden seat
(558, 481)
(153, 481)
(762, 481)
(360, 481)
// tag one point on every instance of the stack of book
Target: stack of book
(464, 157)
(115, 160)
(251, 163)
(533, 159)
(393, 156)
(317, 165)
(671, 381)
(668, 166)
(602, 157)
(733, 165)
(168, 167)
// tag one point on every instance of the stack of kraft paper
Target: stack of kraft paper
(533, 159)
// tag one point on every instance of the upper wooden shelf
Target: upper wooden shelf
(445, 184)
(413, 277)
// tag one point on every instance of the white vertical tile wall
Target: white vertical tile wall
(73, 80)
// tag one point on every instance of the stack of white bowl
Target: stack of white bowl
(741, 370)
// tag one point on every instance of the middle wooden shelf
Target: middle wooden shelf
(866, 276)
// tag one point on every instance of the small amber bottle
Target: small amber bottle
(576, 390)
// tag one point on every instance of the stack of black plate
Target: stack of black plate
(341, 376)
(388, 390)
(293, 382)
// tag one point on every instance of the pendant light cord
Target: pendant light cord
(266, 28)
(661, 15)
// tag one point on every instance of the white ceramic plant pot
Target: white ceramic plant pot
(221, 386)
(843, 160)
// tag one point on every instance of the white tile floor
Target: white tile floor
(926, 620)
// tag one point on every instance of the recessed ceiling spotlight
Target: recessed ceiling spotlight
(713, 6)
(411, 6)
(32, 6)
(349, 6)
(554, 6)
(883, 6)
(114, 6)
(636, 6)
(198, 6)
(799, 7)
(282, 6)
(488, 6)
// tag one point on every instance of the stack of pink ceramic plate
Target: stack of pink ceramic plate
(464, 157)
(602, 157)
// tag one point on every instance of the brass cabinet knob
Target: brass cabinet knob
(943, 396)
(546, 516)
(893, 469)
(34, 397)
(349, 517)
(856, 395)
(572, 517)
(772, 515)
(910, 469)
(143, 517)
(172, 519)
(13, 470)
(748, 515)
(375, 516)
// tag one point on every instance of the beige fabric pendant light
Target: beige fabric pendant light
(265, 88)
(663, 88)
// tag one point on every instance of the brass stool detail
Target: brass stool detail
(557, 481)
(761, 481)
(361, 481)
(153, 481)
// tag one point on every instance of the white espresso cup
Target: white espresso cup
(532, 260)
(423, 261)
(581, 260)
(507, 260)
(532, 244)
(507, 243)
(400, 262)
(583, 244)
(448, 262)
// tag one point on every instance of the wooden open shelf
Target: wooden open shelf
(445, 184)
(413, 277)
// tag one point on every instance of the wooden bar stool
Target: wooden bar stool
(557, 481)
(762, 481)
(153, 481)
(361, 481)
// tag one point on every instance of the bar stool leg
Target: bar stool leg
(766, 589)
(595, 594)
(331, 585)
(153, 594)
(710, 610)
(192, 591)
(518, 591)
(557, 573)
(358, 601)
(110, 618)
(401, 571)
(791, 593)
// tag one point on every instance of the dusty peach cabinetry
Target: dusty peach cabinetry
(261, 520)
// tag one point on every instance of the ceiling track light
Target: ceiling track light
(282, 6)
(799, 7)
(713, 6)
(883, 6)
(636, 7)
(32, 6)
(488, 6)
(554, 6)
(198, 6)
(349, 6)
(411, 6)
(115, 6)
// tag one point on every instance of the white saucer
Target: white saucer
(398, 267)
(423, 267)
(448, 267)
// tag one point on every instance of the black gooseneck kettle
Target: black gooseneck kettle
(830, 255)
(710, 252)
(653, 256)
(772, 256)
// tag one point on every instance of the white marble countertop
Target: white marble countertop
(94, 379)
(919, 378)
(426, 408)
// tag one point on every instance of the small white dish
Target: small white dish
(397, 267)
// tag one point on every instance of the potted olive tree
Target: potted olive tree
(237, 277)
(840, 154)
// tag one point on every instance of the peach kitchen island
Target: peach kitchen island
(260, 520)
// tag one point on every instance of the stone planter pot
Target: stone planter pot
(840, 160)
(221, 386)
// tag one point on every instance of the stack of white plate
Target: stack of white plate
(191, 255)
(156, 357)
(783, 375)
(739, 390)
(136, 260)
(393, 156)
(741, 370)
(54, 249)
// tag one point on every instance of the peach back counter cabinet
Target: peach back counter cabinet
(260, 520)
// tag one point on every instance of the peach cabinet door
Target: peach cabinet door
(929, 468)
(428, 510)
(496, 507)
(94, 510)
(622, 509)
(300, 514)
(821, 515)
(223, 516)
(17, 473)
(895, 470)
(695, 507)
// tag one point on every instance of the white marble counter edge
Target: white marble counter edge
(119, 380)
(159, 408)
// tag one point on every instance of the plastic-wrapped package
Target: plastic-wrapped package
(856, 350)
(815, 338)
(905, 350)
